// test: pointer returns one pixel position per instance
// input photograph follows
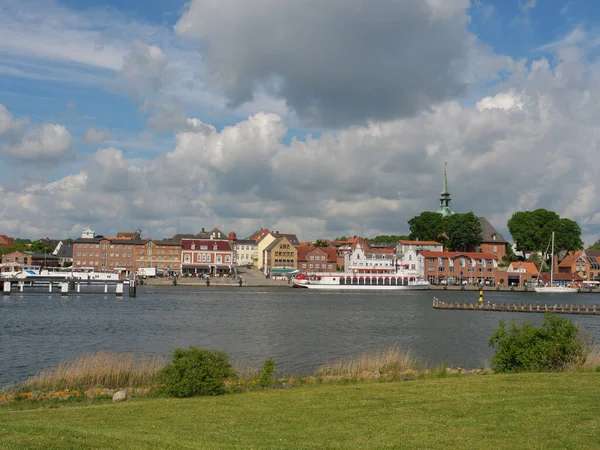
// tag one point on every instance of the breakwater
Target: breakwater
(592, 310)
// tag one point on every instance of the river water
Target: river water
(298, 328)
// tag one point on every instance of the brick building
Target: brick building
(458, 267)
(206, 257)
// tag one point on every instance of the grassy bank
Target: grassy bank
(499, 411)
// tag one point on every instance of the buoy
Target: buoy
(480, 295)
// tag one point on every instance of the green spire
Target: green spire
(445, 191)
(445, 197)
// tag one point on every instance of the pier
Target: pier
(592, 310)
(67, 286)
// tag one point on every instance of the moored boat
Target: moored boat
(358, 281)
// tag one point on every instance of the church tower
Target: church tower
(445, 197)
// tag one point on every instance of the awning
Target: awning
(196, 266)
(281, 271)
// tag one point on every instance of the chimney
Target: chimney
(203, 229)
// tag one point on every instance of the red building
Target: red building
(458, 267)
(206, 256)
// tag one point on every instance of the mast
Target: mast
(552, 262)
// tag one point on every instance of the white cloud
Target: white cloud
(40, 144)
(143, 70)
(95, 136)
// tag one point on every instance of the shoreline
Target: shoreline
(215, 282)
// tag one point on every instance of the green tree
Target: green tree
(17, 247)
(595, 245)
(342, 238)
(321, 243)
(463, 230)
(509, 257)
(427, 226)
(532, 230)
(387, 239)
(557, 345)
(40, 247)
(537, 259)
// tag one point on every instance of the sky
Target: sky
(316, 118)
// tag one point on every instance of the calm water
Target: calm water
(299, 329)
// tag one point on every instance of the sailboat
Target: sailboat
(553, 289)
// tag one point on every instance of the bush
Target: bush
(557, 345)
(266, 377)
(196, 372)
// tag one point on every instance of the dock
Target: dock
(66, 286)
(591, 310)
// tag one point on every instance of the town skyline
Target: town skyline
(154, 116)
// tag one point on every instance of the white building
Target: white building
(246, 252)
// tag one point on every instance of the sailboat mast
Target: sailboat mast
(552, 262)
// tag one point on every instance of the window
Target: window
(310, 266)
(187, 258)
(228, 259)
(495, 248)
(311, 257)
(322, 258)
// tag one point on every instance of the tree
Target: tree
(463, 230)
(427, 226)
(595, 245)
(321, 243)
(537, 259)
(386, 239)
(558, 344)
(342, 238)
(532, 230)
(17, 247)
(40, 247)
(509, 257)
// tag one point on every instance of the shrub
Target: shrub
(196, 372)
(266, 377)
(557, 345)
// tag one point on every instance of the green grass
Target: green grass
(559, 410)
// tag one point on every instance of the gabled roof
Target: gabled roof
(571, 258)
(528, 266)
(454, 255)
(556, 276)
(488, 232)
(331, 252)
(5, 240)
(272, 245)
(258, 234)
(290, 237)
(222, 245)
(303, 252)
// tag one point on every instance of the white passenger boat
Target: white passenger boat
(402, 279)
(58, 274)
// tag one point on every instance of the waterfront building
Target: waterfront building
(164, 255)
(14, 261)
(206, 257)
(319, 259)
(362, 257)
(520, 273)
(281, 254)
(246, 252)
(458, 267)
(584, 263)
(491, 240)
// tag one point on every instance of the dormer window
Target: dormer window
(215, 246)
(494, 236)
(193, 246)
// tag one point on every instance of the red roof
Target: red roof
(545, 277)
(419, 242)
(528, 266)
(221, 245)
(570, 259)
(5, 240)
(303, 251)
(453, 255)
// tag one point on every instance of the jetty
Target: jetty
(592, 310)
(66, 286)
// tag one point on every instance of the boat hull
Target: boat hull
(555, 290)
(358, 287)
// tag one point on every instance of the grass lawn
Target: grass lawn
(499, 411)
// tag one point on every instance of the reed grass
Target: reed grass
(387, 360)
(102, 369)
(592, 361)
